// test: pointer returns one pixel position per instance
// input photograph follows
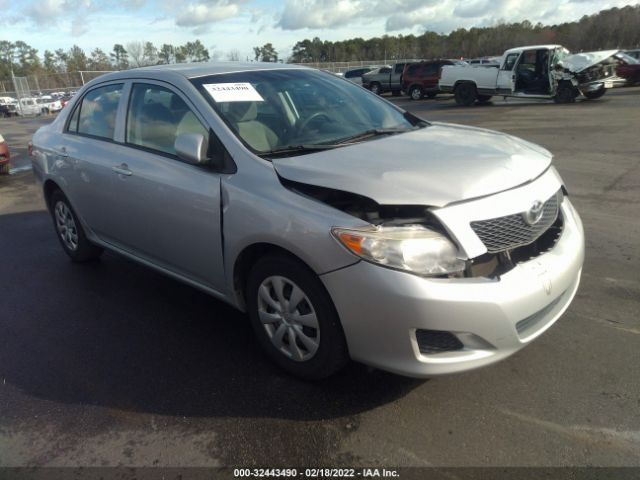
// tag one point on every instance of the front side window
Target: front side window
(274, 109)
(97, 112)
(430, 69)
(510, 61)
(157, 116)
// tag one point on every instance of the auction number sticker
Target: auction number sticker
(233, 92)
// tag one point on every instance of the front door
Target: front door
(168, 211)
(506, 83)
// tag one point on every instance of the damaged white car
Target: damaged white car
(542, 72)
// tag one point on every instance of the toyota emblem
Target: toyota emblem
(534, 214)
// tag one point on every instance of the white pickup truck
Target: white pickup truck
(541, 71)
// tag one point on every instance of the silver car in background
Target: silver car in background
(344, 226)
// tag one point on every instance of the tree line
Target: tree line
(24, 60)
(607, 29)
(612, 28)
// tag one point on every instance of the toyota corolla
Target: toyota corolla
(346, 227)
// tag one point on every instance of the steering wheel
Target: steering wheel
(307, 121)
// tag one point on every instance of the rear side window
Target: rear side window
(399, 67)
(97, 112)
(157, 116)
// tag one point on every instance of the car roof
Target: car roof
(532, 47)
(195, 70)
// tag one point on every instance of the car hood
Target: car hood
(433, 166)
(580, 61)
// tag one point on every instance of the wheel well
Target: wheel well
(248, 257)
(460, 82)
(49, 187)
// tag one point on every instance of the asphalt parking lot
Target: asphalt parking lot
(111, 364)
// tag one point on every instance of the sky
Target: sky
(239, 25)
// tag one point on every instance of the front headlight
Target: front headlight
(416, 249)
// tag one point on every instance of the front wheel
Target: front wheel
(294, 318)
(566, 93)
(415, 93)
(70, 232)
(375, 88)
(597, 94)
(465, 94)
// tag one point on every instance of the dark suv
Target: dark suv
(420, 79)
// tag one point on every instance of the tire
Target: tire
(596, 94)
(566, 93)
(375, 88)
(323, 350)
(415, 93)
(484, 98)
(69, 230)
(432, 95)
(4, 168)
(465, 94)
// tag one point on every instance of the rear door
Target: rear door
(165, 210)
(396, 76)
(84, 154)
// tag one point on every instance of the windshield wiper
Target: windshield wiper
(374, 132)
(342, 142)
(297, 149)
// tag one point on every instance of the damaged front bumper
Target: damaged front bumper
(423, 327)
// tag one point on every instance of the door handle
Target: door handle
(122, 170)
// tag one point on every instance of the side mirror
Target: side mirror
(192, 148)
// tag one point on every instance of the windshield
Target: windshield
(302, 109)
(627, 58)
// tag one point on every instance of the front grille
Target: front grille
(437, 341)
(505, 233)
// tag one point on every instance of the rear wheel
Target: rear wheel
(294, 318)
(415, 93)
(596, 94)
(70, 231)
(465, 94)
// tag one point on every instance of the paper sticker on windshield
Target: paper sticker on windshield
(233, 92)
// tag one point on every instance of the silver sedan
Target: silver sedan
(344, 226)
